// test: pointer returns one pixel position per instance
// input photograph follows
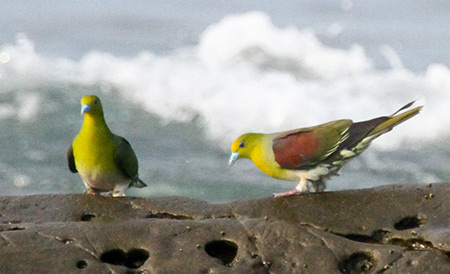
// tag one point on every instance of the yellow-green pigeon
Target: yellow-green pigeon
(106, 162)
(311, 155)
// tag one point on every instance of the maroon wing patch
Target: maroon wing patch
(295, 149)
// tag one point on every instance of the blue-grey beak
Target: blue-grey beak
(233, 158)
(85, 108)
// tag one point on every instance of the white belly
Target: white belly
(103, 181)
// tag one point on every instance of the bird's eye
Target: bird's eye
(96, 101)
(242, 144)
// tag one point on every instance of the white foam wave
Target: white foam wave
(253, 39)
(22, 67)
(248, 75)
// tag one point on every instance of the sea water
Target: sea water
(182, 79)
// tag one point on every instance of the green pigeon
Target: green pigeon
(311, 155)
(106, 162)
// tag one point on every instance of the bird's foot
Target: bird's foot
(119, 190)
(287, 193)
(304, 186)
(92, 191)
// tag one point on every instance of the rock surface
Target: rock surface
(392, 229)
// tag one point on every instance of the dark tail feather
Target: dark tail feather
(395, 120)
(137, 183)
(403, 108)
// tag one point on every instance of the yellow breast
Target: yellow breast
(93, 149)
(264, 158)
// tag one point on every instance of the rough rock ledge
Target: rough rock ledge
(391, 229)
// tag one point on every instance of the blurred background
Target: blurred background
(182, 79)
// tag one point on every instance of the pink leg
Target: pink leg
(287, 193)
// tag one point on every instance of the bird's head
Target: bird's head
(91, 104)
(243, 147)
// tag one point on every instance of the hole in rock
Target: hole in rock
(166, 215)
(87, 217)
(380, 235)
(67, 240)
(359, 238)
(114, 256)
(357, 263)
(15, 228)
(223, 250)
(412, 244)
(81, 264)
(135, 257)
(409, 222)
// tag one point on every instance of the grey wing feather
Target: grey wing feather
(126, 161)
